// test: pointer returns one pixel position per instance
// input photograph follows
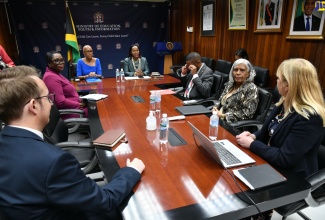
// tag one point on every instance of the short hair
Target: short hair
(304, 91)
(16, 88)
(49, 56)
(249, 67)
(242, 53)
(193, 56)
(130, 49)
(84, 47)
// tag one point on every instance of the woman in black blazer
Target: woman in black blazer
(292, 134)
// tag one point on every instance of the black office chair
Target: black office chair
(316, 196)
(265, 100)
(72, 71)
(216, 88)
(223, 68)
(262, 75)
(122, 64)
(78, 143)
(210, 62)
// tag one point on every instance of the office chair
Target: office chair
(265, 100)
(72, 71)
(262, 75)
(316, 196)
(216, 88)
(77, 143)
(122, 64)
(210, 62)
(223, 68)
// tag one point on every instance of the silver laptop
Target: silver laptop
(222, 151)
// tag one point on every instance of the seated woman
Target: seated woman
(66, 96)
(89, 66)
(239, 99)
(241, 53)
(292, 134)
(135, 64)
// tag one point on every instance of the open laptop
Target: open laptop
(222, 151)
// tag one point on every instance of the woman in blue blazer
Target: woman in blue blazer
(135, 64)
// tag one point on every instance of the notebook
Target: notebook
(222, 151)
(192, 109)
(256, 177)
(109, 138)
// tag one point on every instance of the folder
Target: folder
(256, 177)
(109, 138)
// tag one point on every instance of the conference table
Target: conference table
(180, 181)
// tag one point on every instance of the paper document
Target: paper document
(95, 97)
(163, 92)
(135, 77)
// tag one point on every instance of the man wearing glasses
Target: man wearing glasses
(89, 66)
(39, 180)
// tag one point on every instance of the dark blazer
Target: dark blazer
(299, 23)
(267, 17)
(129, 68)
(202, 84)
(40, 181)
(294, 143)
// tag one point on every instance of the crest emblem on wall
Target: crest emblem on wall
(98, 17)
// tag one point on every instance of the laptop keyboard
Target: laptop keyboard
(225, 155)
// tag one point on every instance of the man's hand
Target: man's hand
(136, 164)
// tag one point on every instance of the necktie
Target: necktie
(307, 24)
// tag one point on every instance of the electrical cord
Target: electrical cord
(234, 179)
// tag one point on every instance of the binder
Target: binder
(256, 177)
(109, 138)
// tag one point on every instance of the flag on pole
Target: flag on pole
(277, 13)
(300, 8)
(71, 38)
(262, 13)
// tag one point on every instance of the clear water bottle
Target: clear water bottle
(213, 129)
(151, 123)
(122, 75)
(158, 101)
(152, 98)
(163, 130)
(117, 75)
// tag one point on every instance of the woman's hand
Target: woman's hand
(219, 113)
(245, 139)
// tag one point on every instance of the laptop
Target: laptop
(222, 151)
(192, 109)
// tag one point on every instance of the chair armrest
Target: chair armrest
(75, 144)
(71, 111)
(81, 121)
(246, 123)
(316, 180)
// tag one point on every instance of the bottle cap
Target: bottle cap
(164, 115)
(150, 113)
(215, 112)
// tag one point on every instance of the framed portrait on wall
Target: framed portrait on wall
(238, 14)
(307, 20)
(208, 11)
(269, 15)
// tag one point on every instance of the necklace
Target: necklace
(139, 64)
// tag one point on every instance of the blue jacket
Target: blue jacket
(41, 181)
(294, 143)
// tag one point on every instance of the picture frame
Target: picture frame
(238, 14)
(269, 15)
(208, 14)
(297, 22)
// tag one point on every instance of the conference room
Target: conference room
(181, 180)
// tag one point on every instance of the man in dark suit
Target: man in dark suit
(196, 77)
(269, 12)
(307, 21)
(39, 180)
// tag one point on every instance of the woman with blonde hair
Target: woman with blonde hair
(292, 134)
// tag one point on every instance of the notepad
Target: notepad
(109, 138)
(256, 177)
(95, 97)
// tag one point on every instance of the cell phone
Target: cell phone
(140, 76)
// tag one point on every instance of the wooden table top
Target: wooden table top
(178, 181)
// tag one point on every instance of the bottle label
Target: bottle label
(214, 123)
(163, 126)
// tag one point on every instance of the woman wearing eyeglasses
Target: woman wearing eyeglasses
(66, 96)
(89, 66)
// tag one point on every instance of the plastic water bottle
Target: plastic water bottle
(151, 123)
(122, 75)
(152, 102)
(163, 130)
(158, 101)
(117, 75)
(213, 129)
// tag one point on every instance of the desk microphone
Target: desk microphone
(189, 102)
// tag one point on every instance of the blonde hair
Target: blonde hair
(304, 91)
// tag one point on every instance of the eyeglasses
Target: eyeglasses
(50, 97)
(88, 51)
(57, 61)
